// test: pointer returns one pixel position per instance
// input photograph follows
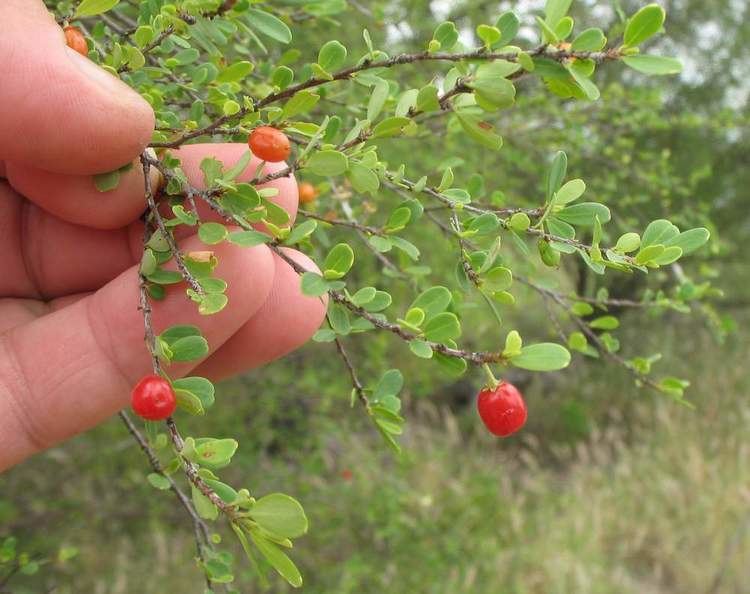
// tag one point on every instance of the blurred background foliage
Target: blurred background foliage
(608, 489)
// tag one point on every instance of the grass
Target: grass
(610, 490)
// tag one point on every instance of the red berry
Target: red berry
(502, 409)
(153, 398)
(269, 144)
(76, 41)
(307, 192)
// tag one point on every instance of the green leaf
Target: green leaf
(644, 24)
(338, 261)
(324, 335)
(277, 559)
(185, 217)
(89, 8)
(659, 231)
(175, 333)
(519, 222)
(498, 279)
(427, 99)
(200, 387)
(484, 224)
(489, 35)
(655, 65)
(313, 285)
(605, 323)
(204, 507)
(378, 97)
(421, 349)
(491, 90)
(442, 328)
(570, 192)
(212, 233)
(269, 25)
(327, 163)
(513, 344)
(453, 366)
(189, 402)
(301, 231)
(280, 514)
(165, 277)
(392, 126)
(332, 55)
(407, 247)
(669, 255)
(584, 214)
(143, 35)
(301, 102)
(106, 182)
(689, 241)
(338, 317)
(579, 74)
(433, 301)
(564, 27)
(148, 262)
(406, 102)
(390, 384)
(446, 34)
(556, 175)
(508, 23)
(212, 303)
(248, 238)
(159, 481)
(554, 10)
(381, 301)
(398, 220)
(479, 130)
(189, 348)
(214, 453)
(649, 253)
(235, 72)
(628, 242)
(364, 295)
(590, 40)
(224, 491)
(545, 356)
(363, 178)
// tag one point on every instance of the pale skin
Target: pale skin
(71, 336)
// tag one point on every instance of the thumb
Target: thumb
(61, 112)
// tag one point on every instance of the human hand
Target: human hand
(71, 335)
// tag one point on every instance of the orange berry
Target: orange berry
(269, 144)
(307, 192)
(76, 41)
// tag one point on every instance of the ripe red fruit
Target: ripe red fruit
(153, 398)
(76, 41)
(502, 409)
(307, 192)
(269, 144)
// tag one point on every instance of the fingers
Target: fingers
(74, 198)
(45, 257)
(49, 257)
(285, 322)
(61, 112)
(66, 371)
